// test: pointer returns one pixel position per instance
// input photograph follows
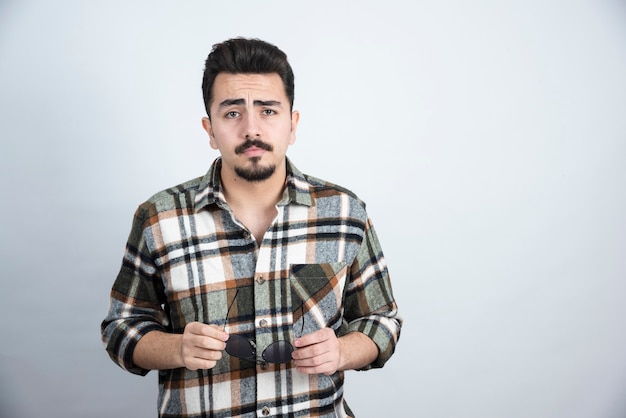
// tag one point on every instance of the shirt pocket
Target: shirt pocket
(316, 295)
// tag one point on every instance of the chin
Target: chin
(256, 173)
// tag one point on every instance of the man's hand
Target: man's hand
(318, 352)
(202, 345)
(322, 352)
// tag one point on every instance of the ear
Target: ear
(295, 118)
(206, 124)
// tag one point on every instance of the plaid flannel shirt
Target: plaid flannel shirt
(319, 265)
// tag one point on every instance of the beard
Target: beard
(257, 172)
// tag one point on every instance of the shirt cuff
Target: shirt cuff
(122, 346)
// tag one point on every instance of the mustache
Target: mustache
(253, 143)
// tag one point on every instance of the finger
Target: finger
(197, 363)
(208, 343)
(311, 351)
(216, 332)
(314, 337)
(313, 358)
(326, 342)
(212, 330)
(196, 355)
(204, 354)
(196, 336)
(323, 364)
(202, 345)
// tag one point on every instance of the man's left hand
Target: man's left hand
(318, 352)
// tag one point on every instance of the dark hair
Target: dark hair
(245, 56)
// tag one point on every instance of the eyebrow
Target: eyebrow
(262, 103)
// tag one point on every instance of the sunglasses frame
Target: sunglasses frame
(278, 352)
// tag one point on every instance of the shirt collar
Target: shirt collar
(210, 192)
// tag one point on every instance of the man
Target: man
(251, 289)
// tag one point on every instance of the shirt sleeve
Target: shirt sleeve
(369, 304)
(137, 298)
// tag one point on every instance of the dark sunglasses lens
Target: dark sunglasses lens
(238, 346)
(278, 352)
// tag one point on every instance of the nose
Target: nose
(251, 126)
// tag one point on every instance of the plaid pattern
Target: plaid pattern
(319, 265)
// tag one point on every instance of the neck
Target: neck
(240, 193)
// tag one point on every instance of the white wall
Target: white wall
(488, 138)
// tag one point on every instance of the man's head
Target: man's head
(246, 56)
(248, 93)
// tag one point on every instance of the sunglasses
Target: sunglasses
(278, 352)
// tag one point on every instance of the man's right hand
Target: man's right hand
(202, 345)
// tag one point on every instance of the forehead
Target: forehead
(248, 87)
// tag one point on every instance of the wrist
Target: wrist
(356, 351)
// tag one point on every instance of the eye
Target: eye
(232, 114)
(268, 112)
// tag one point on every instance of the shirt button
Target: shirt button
(263, 322)
(260, 280)
(265, 411)
(263, 365)
(246, 234)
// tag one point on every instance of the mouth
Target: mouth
(254, 152)
(253, 148)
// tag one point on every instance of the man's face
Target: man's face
(251, 124)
